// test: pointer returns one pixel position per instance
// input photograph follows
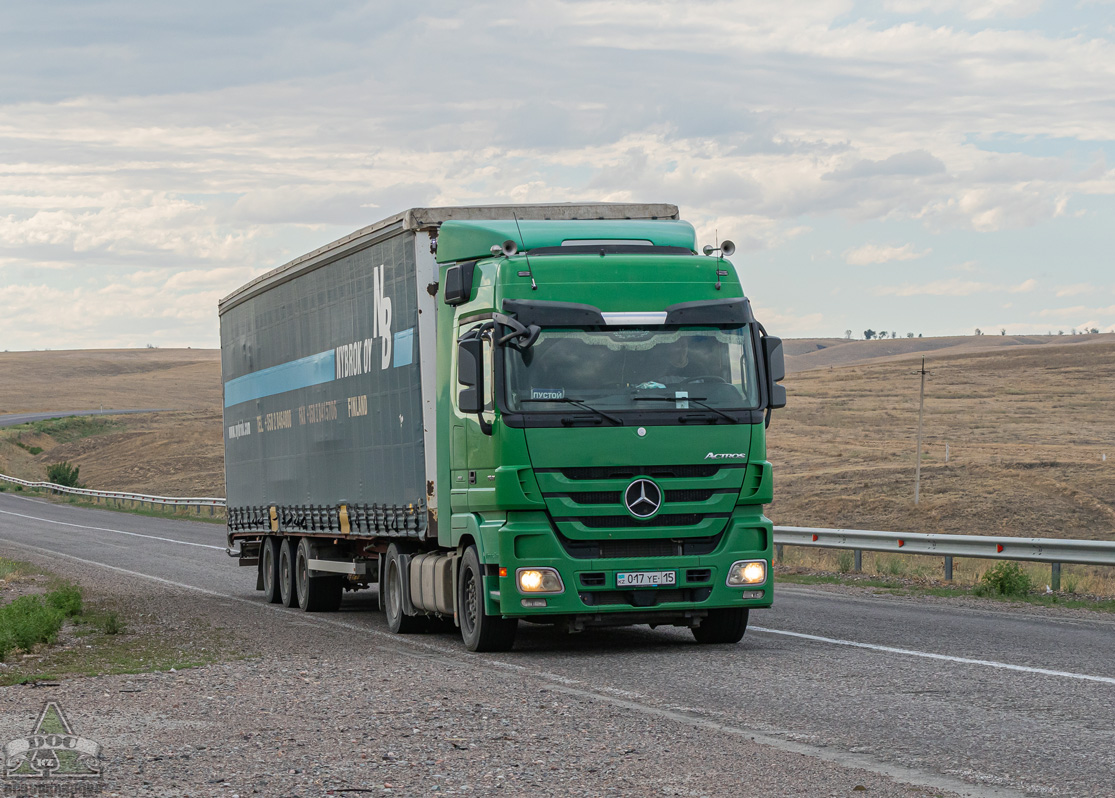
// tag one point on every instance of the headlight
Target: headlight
(539, 580)
(747, 572)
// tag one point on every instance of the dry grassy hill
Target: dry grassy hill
(177, 453)
(1027, 422)
(803, 354)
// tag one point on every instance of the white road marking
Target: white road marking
(945, 657)
(117, 531)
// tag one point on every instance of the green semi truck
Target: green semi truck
(551, 414)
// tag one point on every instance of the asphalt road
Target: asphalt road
(12, 419)
(973, 699)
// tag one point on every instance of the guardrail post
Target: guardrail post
(1056, 578)
(948, 569)
(857, 560)
(778, 552)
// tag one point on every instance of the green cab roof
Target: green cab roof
(461, 240)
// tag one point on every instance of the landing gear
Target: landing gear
(480, 631)
(722, 626)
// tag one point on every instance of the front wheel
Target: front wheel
(722, 626)
(480, 631)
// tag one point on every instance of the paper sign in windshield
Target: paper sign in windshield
(547, 393)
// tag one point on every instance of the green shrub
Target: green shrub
(113, 624)
(64, 473)
(844, 561)
(1003, 579)
(66, 600)
(26, 622)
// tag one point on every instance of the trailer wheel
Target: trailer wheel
(316, 593)
(288, 587)
(722, 626)
(391, 597)
(480, 631)
(269, 565)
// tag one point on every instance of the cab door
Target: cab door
(472, 454)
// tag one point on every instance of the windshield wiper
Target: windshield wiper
(578, 403)
(696, 401)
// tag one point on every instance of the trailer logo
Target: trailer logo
(52, 760)
(358, 357)
(643, 498)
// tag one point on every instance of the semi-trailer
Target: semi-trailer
(524, 413)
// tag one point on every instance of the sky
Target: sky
(924, 166)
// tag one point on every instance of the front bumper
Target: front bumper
(591, 586)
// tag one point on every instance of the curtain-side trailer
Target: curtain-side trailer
(495, 414)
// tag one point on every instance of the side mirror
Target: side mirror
(776, 371)
(470, 373)
(458, 283)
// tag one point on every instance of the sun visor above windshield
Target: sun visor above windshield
(716, 311)
(553, 314)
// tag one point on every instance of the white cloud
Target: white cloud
(1075, 289)
(881, 253)
(765, 121)
(954, 287)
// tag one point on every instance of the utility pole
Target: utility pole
(921, 414)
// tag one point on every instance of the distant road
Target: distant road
(12, 419)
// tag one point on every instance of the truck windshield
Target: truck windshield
(629, 368)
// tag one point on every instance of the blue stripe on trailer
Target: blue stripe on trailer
(301, 373)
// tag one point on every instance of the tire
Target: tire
(480, 631)
(722, 626)
(315, 593)
(269, 566)
(288, 587)
(391, 597)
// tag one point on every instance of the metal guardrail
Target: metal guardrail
(1053, 551)
(120, 497)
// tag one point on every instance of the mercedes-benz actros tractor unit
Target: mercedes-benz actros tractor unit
(551, 414)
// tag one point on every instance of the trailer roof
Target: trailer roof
(416, 219)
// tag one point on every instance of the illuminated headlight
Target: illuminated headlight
(539, 580)
(747, 572)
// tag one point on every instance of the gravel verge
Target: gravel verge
(315, 709)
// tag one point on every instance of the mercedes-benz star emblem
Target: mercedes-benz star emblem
(643, 498)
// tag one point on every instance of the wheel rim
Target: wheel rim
(268, 569)
(303, 576)
(286, 578)
(471, 601)
(393, 599)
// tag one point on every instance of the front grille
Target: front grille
(630, 472)
(616, 497)
(644, 598)
(596, 497)
(690, 495)
(650, 547)
(627, 522)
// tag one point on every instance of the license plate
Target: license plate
(646, 579)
